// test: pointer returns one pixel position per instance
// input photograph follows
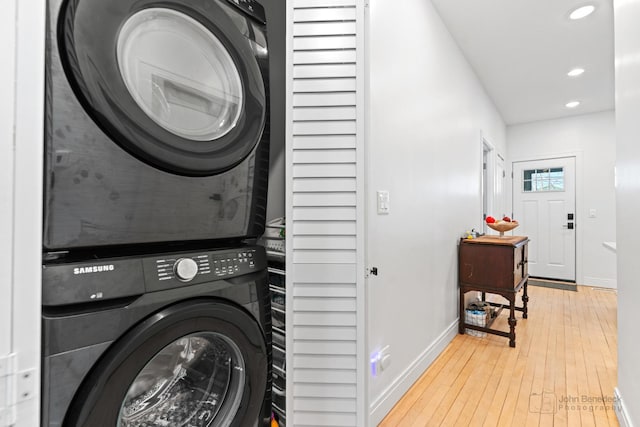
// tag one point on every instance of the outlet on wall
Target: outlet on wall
(380, 360)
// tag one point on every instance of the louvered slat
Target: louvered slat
(302, 142)
(329, 376)
(327, 42)
(342, 333)
(323, 238)
(324, 390)
(324, 70)
(323, 113)
(325, 127)
(324, 242)
(324, 184)
(324, 199)
(323, 319)
(334, 228)
(325, 57)
(329, 213)
(304, 4)
(338, 405)
(335, 99)
(321, 256)
(316, 361)
(324, 14)
(324, 290)
(346, 170)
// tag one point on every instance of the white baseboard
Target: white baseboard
(392, 394)
(600, 282)
(621, 410)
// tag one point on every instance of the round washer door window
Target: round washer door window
(179, 85)
(198, 363)
(191, 86)
(194, 380)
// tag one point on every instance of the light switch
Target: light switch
(592, 213)
(383, 202)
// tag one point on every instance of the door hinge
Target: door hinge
(15, 387)
(8, 390)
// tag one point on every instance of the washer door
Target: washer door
(177, 84)
(198, 363)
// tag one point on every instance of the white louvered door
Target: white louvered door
(326, 381)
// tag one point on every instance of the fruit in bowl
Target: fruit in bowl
(501, 225)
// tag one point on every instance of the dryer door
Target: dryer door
(177, 84)
(200, 363)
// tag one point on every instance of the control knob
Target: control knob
(185, 269)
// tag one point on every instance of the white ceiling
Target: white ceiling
(522, 50)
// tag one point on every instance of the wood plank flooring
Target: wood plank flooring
(561, 373)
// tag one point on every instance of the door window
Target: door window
(546, 179)
(191, 87)
(186, 383)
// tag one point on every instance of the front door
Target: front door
(544, 205)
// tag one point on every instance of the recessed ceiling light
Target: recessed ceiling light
(575, 72)
(572, 104)
(582, 12)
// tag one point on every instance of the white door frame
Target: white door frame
(491, 179)
(580, 217)
(21, 157)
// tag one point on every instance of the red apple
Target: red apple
(506, 218)
(490, 220)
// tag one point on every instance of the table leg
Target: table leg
(525, 300)
(512, 321)
(461, 318)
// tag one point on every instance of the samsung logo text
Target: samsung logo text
(93, 269)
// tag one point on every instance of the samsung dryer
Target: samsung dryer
(181, 339)
(157, 122)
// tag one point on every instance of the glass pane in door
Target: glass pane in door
(180, 74)
(196, 381)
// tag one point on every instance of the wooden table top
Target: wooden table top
(497, 240)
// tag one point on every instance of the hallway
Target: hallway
(562, 372)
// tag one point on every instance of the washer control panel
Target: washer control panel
(177, 270)
(233, 263)
(182, 268)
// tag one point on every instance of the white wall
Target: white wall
(427, 112)
(627, 47)
(593, 138)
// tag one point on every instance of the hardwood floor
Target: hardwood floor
(561, 373)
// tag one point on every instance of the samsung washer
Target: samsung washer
(176, 339)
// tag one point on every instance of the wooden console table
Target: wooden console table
(494, 265)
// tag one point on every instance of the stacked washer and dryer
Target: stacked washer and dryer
(156, 306)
